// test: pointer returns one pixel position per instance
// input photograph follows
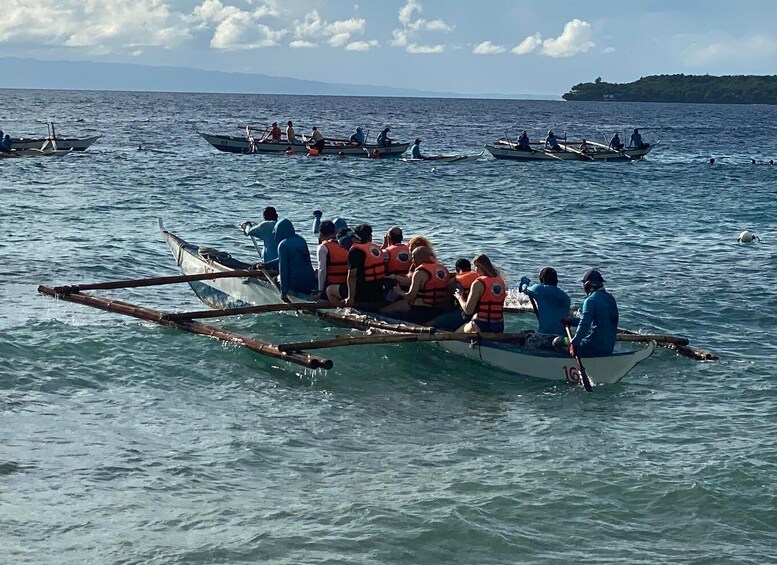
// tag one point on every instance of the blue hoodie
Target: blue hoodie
(295, 269)
(552, 305)
(598, 325)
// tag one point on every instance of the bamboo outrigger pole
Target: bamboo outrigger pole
(155, 281)
(343, 341)
(151, 315)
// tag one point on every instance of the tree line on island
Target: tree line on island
(735, 89)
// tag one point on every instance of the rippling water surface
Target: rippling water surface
(124, 442)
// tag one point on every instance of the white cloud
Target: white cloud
(609, 50)
(717, 49)
(338, 33)
(528, 45)
(300, 44)
(100, 25)
(487, 48)
(407, 35)
(362, 45)
(237, 29)
(575, 38)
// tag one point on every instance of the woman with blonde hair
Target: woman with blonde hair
(486, 299)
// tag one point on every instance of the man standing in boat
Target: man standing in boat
(290, 135)
(318, 139)
(264, 231)
(597, 327)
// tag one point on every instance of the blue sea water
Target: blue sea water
(125, 442)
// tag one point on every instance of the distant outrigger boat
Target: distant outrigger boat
(506, 149)
(246, 144)
(54, 142)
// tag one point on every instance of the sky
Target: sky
(456, 46)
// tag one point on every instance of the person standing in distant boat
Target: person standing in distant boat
(597, 327)
(264, 231)
(615, 142)
(636, 141)
(383, 139)
(523, 142)
(318, 139)
(583, 147)
(290, 135)
(357, 138)
(551, 142)
(415, 150)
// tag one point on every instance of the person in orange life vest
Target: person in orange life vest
(465, 276)
(486, 299)
(332, 258)
(429, 292)
(415, 242)
(366, 271)
(396, 253)
(463, 279)
(275, 133)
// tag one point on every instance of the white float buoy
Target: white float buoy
(747, 237)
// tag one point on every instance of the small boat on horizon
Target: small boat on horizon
(508, 150)
(54, 142)
(246, 144)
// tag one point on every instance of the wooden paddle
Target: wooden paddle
(584, 380)
(582, 155)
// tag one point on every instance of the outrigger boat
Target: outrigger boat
(233, 287)
(445, 158)
(224, 293)
(248, 144)
(506, 149)
(54, 142)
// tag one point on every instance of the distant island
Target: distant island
(694, 89)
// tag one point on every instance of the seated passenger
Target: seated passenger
(366, 271)
(523, 142)
(486, 299)
(357, 138)
(332, 259)
(295, 270)
(551, 142)
(551, 306)
(429, 292)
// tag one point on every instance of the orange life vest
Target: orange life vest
(466, 279)
(398, 259)
(491, 304)
(336, 263)
(374, 266)
(435, 289)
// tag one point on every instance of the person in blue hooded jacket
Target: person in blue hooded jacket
(295, 270)
(597, 327)
(551, 302)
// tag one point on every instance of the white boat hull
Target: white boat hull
(63, 143)
(553, 366)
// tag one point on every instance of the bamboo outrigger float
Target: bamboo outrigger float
(232, 288)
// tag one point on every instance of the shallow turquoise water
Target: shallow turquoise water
(125, 442)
